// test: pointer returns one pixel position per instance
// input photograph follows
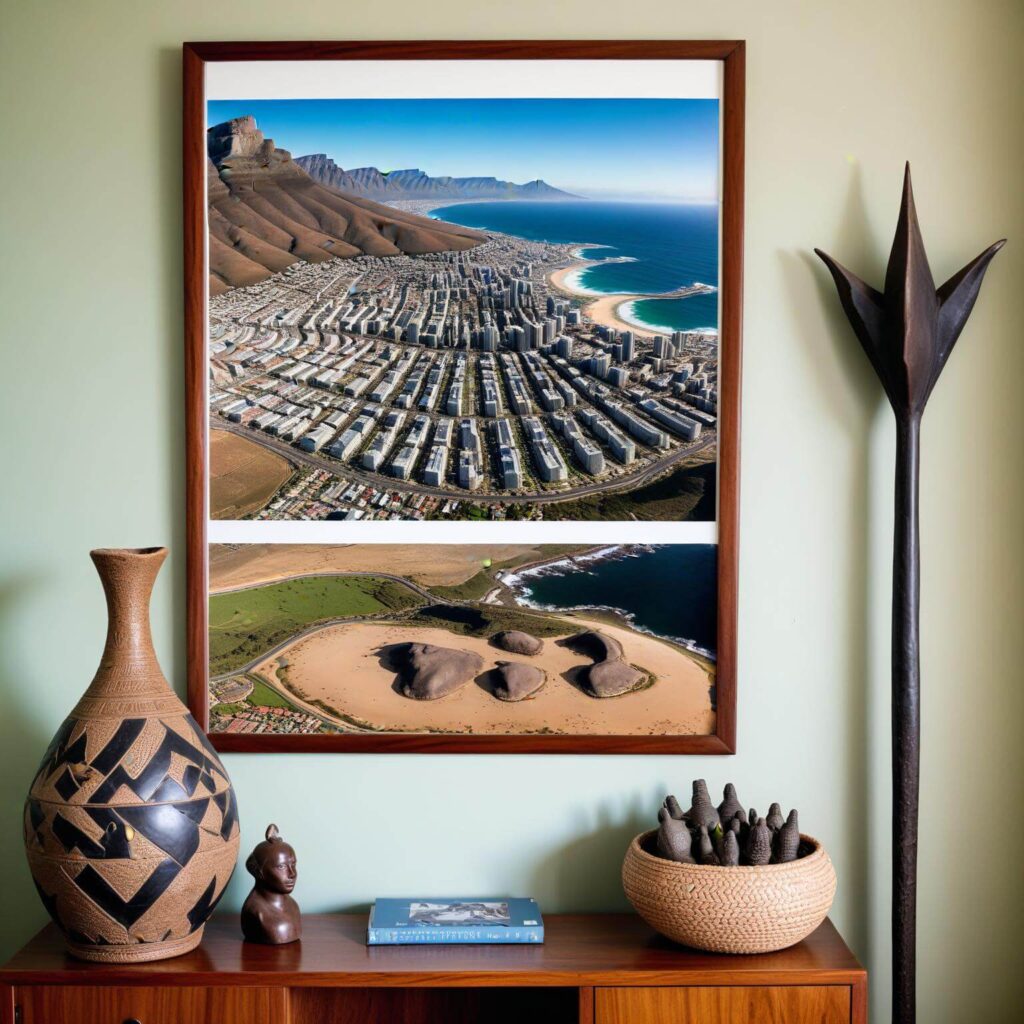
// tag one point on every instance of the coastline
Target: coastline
(608, 309)
(516, 581)
(601, 309)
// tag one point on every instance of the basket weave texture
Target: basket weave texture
(730, 910)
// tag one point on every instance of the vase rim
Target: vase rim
(135, 552)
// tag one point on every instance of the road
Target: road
(297, 457)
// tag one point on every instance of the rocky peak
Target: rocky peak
(239, 137)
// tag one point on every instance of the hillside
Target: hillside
(266, 212)
(414, 184)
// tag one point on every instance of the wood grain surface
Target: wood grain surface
(795, 1004)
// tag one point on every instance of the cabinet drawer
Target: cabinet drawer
(96, 1004)
(824, 1004)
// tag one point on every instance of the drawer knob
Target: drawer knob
(132, 1020)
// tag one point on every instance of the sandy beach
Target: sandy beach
(430, 565)
(603, 309)
(340, 666)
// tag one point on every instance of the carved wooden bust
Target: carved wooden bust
(269, 914)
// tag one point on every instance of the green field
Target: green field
(247, 623)
(483, 620)
(262, 696)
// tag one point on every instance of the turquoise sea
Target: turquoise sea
(669, 589)
(648, 247)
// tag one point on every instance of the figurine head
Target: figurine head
(272, 863)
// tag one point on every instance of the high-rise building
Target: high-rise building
(628, 347)
(513, 336)
(489, 338)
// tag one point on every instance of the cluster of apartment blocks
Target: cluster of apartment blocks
(395, 375)
(558, 396)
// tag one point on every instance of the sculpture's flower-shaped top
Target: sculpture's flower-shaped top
(909, 330)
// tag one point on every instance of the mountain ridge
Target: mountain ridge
(412, 183)
(266, 213)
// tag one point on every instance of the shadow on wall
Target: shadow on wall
(584, 875)
(22, 743)
(855, 401)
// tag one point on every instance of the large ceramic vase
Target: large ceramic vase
(131, 826)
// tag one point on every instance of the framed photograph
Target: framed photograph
(463, 338)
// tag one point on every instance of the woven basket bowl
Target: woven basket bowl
(730, 910)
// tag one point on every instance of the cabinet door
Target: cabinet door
(824, 1004)
(96, 1004)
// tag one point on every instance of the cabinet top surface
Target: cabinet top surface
(580, 949)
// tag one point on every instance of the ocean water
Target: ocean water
(648, 247)
(670, 590)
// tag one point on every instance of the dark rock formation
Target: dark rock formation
(612, 678)
(610, 675)
(759, 844)
(775, 820)
(412, 183)
(517, 642)
(787, 840)
(673, 808)
(596, 645)
(702, 810)
(673, 838)
(730, 856)
(705, 850)
(266, 213)
(426, 672)
(730, 805)
(516, 680)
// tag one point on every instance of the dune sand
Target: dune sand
(338, 665)
(430, 565)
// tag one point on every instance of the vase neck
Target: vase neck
(129, 666)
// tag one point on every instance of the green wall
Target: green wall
(838, 96)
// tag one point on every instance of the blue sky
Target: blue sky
(601, 148)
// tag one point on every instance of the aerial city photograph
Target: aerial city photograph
(463, 309)
(447, 311)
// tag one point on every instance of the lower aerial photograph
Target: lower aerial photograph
(485, 639)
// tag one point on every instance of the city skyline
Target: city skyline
(626, 149)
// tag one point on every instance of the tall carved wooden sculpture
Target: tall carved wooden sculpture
(908, 332)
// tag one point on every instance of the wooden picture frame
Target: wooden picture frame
(197, 59)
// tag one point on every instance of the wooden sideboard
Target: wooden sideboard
(597, 969)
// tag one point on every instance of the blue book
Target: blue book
(395, 922)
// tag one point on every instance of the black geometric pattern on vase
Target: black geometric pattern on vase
(117, 812)
(131, 826)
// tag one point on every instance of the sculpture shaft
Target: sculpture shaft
(906, 716)
(907, 333)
